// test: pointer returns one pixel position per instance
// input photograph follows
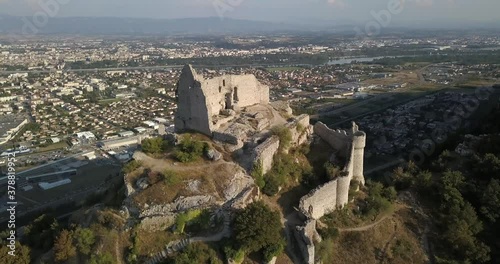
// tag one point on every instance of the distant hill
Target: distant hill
(138, 26)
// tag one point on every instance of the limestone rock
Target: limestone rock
(214, 155)
(142, 183)
(187, 203)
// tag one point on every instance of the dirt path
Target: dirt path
(118, 251)
(386, 247)
(365, 227)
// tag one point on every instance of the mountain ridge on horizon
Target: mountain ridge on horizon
(195, 25)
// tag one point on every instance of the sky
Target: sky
(297, 11)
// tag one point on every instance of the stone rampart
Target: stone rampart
(335, 194)
(306, 236)
(300, 129)
(265, 152)
(337, 139)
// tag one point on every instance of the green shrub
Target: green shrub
(273, 250)
(258, 174)
(197, 220)
(190, 150)
(332, 171)
(236, 255)
(197, 253)
(272, 185)
(285, 136)
(131, 166)
(170, 178)
(152, 145)
(329, 232)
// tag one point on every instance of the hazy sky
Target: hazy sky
(269, 10)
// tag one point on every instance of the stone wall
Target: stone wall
(265, 153)
(192, 112)
(337, 139)
(157, 223)
(335, 194)
(199, 99)
(300, 129)
(306, 236)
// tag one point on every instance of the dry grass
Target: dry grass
(376, 245)
(214, 177)
(149, 243)
(398, 77)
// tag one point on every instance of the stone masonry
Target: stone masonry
(334, 194)
(200, 100)
(265, 152)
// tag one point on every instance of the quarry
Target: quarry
(232, 114)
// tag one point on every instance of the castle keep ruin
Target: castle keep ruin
(206, 104)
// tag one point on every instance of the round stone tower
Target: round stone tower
(359, 143)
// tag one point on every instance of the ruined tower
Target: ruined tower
(200, 99)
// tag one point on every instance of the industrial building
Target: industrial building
(118, 143)
(10, 125)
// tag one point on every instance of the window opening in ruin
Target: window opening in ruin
(235, 94)
(220, 89)
(224, 83)
(228, 101)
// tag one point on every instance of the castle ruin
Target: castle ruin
(334, 194)
(235, 111)
(204, 105)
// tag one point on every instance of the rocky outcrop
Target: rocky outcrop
(214, 155)
(179, 205)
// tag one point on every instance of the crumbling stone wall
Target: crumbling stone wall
(199, 99)
(337, 139)
(335, 194)
(265, 152)
(300, 129)
(306, 236)
(192, 111)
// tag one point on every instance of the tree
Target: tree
(152, 145)
(131, 166)
(423, 180)
(491, 201)
(190, 150)
(63, 246)
(170, 178)
(22, 255)
(41, 233)
(197, 253)
(104, 258)
(84, 239)
(257, 227)
(285, 136)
